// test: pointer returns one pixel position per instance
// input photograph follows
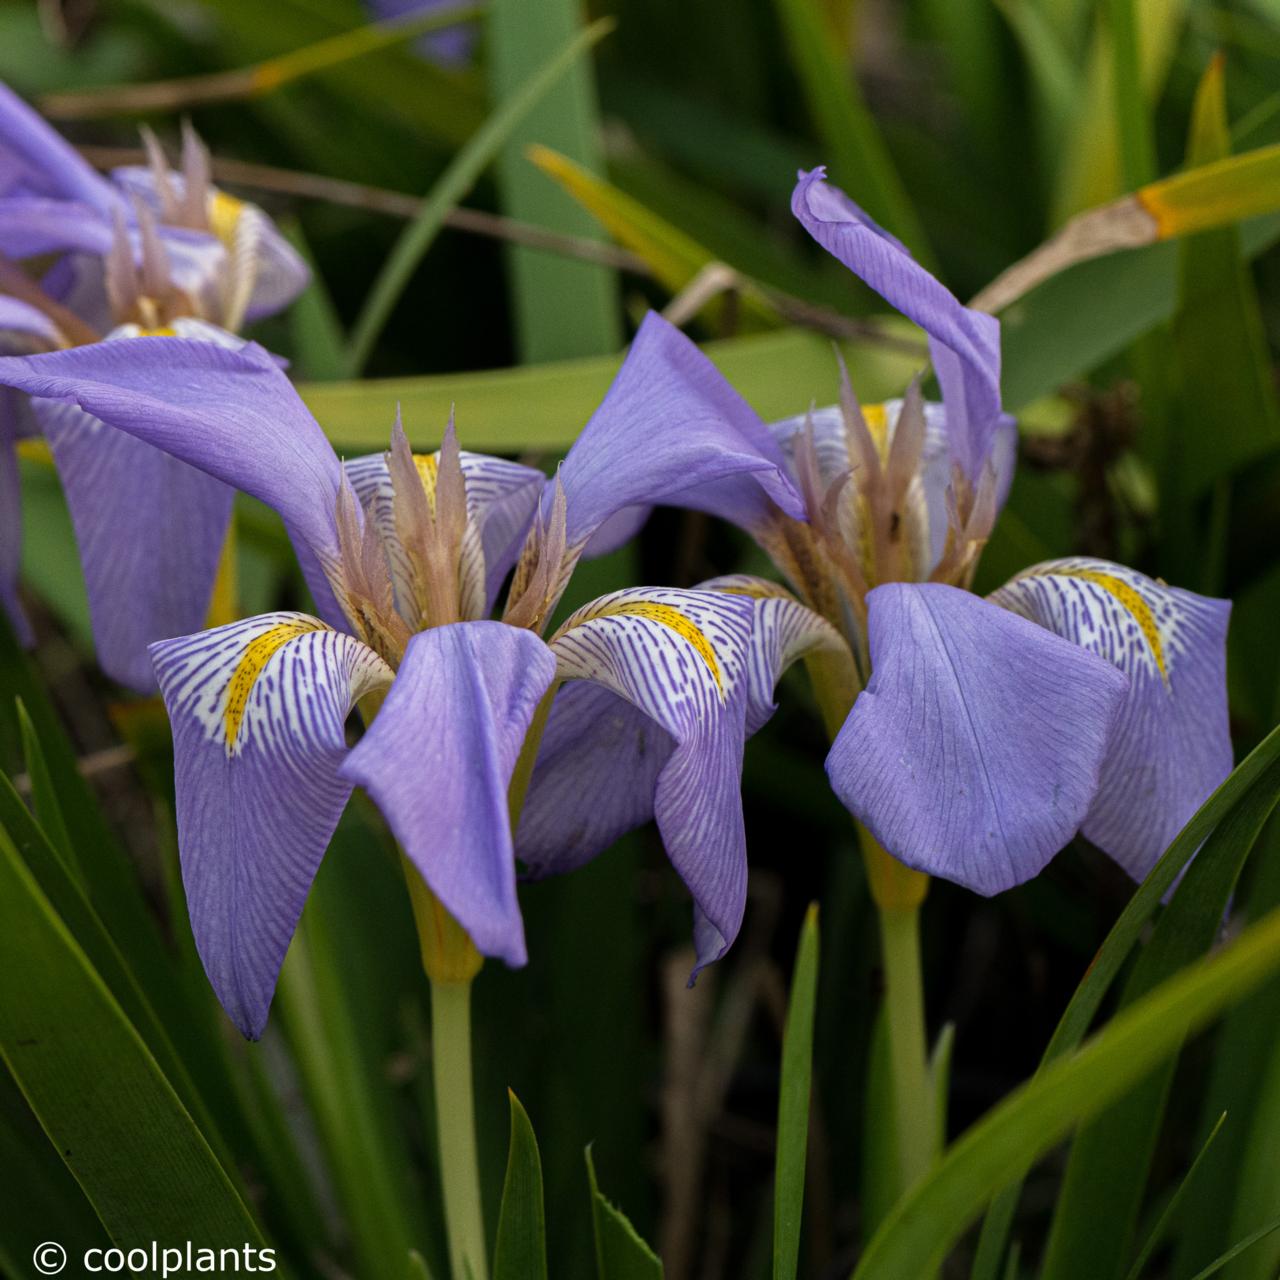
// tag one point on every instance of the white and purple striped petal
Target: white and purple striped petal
(438, 760)
(672, 430)
(601, 755)
(258, 711)
(964, 344)
(1171, 746)
(229, 412)
(976, 749)
(681, 658)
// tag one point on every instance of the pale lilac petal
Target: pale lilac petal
(975, 751)
(257, 710)
(619, 529)
(964, 344)
(438, 760)
(601, 755)
(22, 327)
(36, 160)
(672, 430)
(150, 530)
(31, 225)
(1171, 745)
(229, 412)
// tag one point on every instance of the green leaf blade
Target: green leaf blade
(793, 1103)
(521, 1252)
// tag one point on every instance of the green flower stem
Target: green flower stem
(913, 1100)
(455, 1120)
(898, 892)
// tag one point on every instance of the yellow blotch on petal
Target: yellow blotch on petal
(258, 652)
(670, 617)
(1134, 604)
(877, 421)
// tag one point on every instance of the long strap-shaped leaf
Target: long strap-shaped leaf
(96, 1088)
(930, 1218)
(457, 179)
(1089, 995)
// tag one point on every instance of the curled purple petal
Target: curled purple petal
(964, 344)
(36, 160)
(975, 751)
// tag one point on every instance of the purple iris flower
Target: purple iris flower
(1080, 696)
(406, 556)
(148, 251)
(450, 48)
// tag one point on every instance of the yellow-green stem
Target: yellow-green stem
(455, 1121)
(897, 892)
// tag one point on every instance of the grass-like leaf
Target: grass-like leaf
(98, 1091)
(463, 170)
(932, 1216)
(620, 1252)
(521, 1250)
(793, 1104)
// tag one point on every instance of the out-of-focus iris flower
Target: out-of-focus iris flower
(405, 555)
(1081, 695)
(86, 259)
(451, 47)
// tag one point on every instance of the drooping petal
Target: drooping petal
(975, 751)
(672, 430)
(1171, 745)
(257, 710)
(681, 658)
(229, 412)
(438, 760)
(501, 499)
(617, 531)
(964, 344)
(36, 160)
(601, 755)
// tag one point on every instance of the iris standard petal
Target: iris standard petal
(36, 160)
(257, 710)
(672, 429)
(964, 344)
(230, 412)
(438, 760)
(22, 326)
(1171, 745)
(975, 751)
